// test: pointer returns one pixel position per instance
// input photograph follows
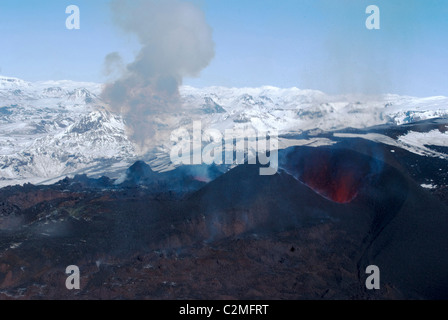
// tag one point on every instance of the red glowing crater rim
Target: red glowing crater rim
(336, 176)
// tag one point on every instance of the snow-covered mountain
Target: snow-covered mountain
(53, 129)
(301, 110)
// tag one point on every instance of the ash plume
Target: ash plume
(176, 42)
(113, 63)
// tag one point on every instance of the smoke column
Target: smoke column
(176, 42)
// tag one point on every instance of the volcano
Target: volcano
(337, 175)
(307, 232)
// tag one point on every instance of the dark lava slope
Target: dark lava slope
(307, 232)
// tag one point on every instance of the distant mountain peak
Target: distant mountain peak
(10, 81)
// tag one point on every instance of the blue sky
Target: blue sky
(317, 44)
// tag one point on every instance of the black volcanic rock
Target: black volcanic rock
(181, 180)
(232, 234)
(410, 243)
(395, 224)
(139, 173)
(83, 182)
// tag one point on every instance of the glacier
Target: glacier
(53, 129)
